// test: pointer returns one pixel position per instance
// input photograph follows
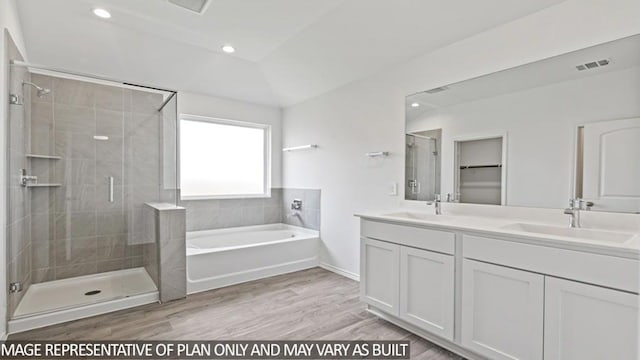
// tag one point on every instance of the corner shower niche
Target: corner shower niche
(91, 154)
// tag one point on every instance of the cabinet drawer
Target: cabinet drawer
(609, 271)
(427, 239)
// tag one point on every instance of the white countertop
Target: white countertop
(497, 220)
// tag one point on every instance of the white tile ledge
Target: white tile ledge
(165, 206)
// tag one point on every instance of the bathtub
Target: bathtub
(218, 258)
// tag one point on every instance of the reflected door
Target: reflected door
(611, 170)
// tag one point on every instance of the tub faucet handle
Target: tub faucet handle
(296, 204)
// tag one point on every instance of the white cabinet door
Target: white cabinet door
(587, 322)
(379, 285)
(426, 290)
(502, 311)
(611, 165)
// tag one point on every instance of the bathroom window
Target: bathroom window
(223, 158)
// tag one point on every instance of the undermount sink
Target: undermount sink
(419, 216)
(577, 233)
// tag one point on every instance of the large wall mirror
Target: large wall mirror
(535, 135)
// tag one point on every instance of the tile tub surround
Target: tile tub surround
(309, 216)
(226, 213)
(166, 224)
(76, 230)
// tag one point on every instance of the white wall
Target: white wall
(8, 22)
(369, 115)
(203, 105)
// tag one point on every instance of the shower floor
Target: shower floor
(84, 290)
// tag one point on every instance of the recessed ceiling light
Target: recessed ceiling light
(228, 49)
(101, 13)
(415, 104)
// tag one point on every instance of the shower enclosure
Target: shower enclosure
(422, 172)
(84, 155)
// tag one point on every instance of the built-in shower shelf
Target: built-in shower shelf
(43, 185)
(38, 156)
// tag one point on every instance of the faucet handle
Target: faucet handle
(438, 198)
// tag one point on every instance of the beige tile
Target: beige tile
(43, 255)
(110, 265)
(75, 119)
(75, 251)
(112, 247)
(75, 198)
(42, 275)
(74, 92)
(41, 116)
(145, 102)
(73, 225)
(75, 172)
(112, 223)
(63, 272)
(75, 145)
(109, 97)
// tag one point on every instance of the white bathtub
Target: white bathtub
(218, 258)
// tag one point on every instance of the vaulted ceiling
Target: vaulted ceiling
(287, 51)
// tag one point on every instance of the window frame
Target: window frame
(266, 163)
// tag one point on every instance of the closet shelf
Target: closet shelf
(43, 185)
(38, 156)
(481, 184)
(480, 166)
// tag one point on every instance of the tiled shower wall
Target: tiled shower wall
(225, 213)
(75, 229)
(18, 215)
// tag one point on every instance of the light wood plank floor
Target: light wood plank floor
(314, 304)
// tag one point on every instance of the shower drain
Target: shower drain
(92, 292)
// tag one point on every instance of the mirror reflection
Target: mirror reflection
(538, 135)
(422, 164)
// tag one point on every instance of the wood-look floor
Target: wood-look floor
(314, 304)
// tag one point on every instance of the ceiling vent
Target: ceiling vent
(593, 65)
(437, 90)
(197, 6)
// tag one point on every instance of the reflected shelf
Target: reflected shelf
(480, 166)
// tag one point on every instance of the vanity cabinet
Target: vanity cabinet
(379, 260)
(509, 289)
(502, 311)
(413, 284)
(585, 322)
(500, 296)
(426, 290)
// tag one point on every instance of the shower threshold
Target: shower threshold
(58, 301)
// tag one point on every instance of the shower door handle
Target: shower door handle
(110, 188)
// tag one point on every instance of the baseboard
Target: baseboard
(339, 271)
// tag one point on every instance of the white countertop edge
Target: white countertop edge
(629, 249)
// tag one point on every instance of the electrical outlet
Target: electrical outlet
(393, 189)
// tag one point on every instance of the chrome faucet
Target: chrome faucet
(437, 203)
(575, 205)
(296, 206)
